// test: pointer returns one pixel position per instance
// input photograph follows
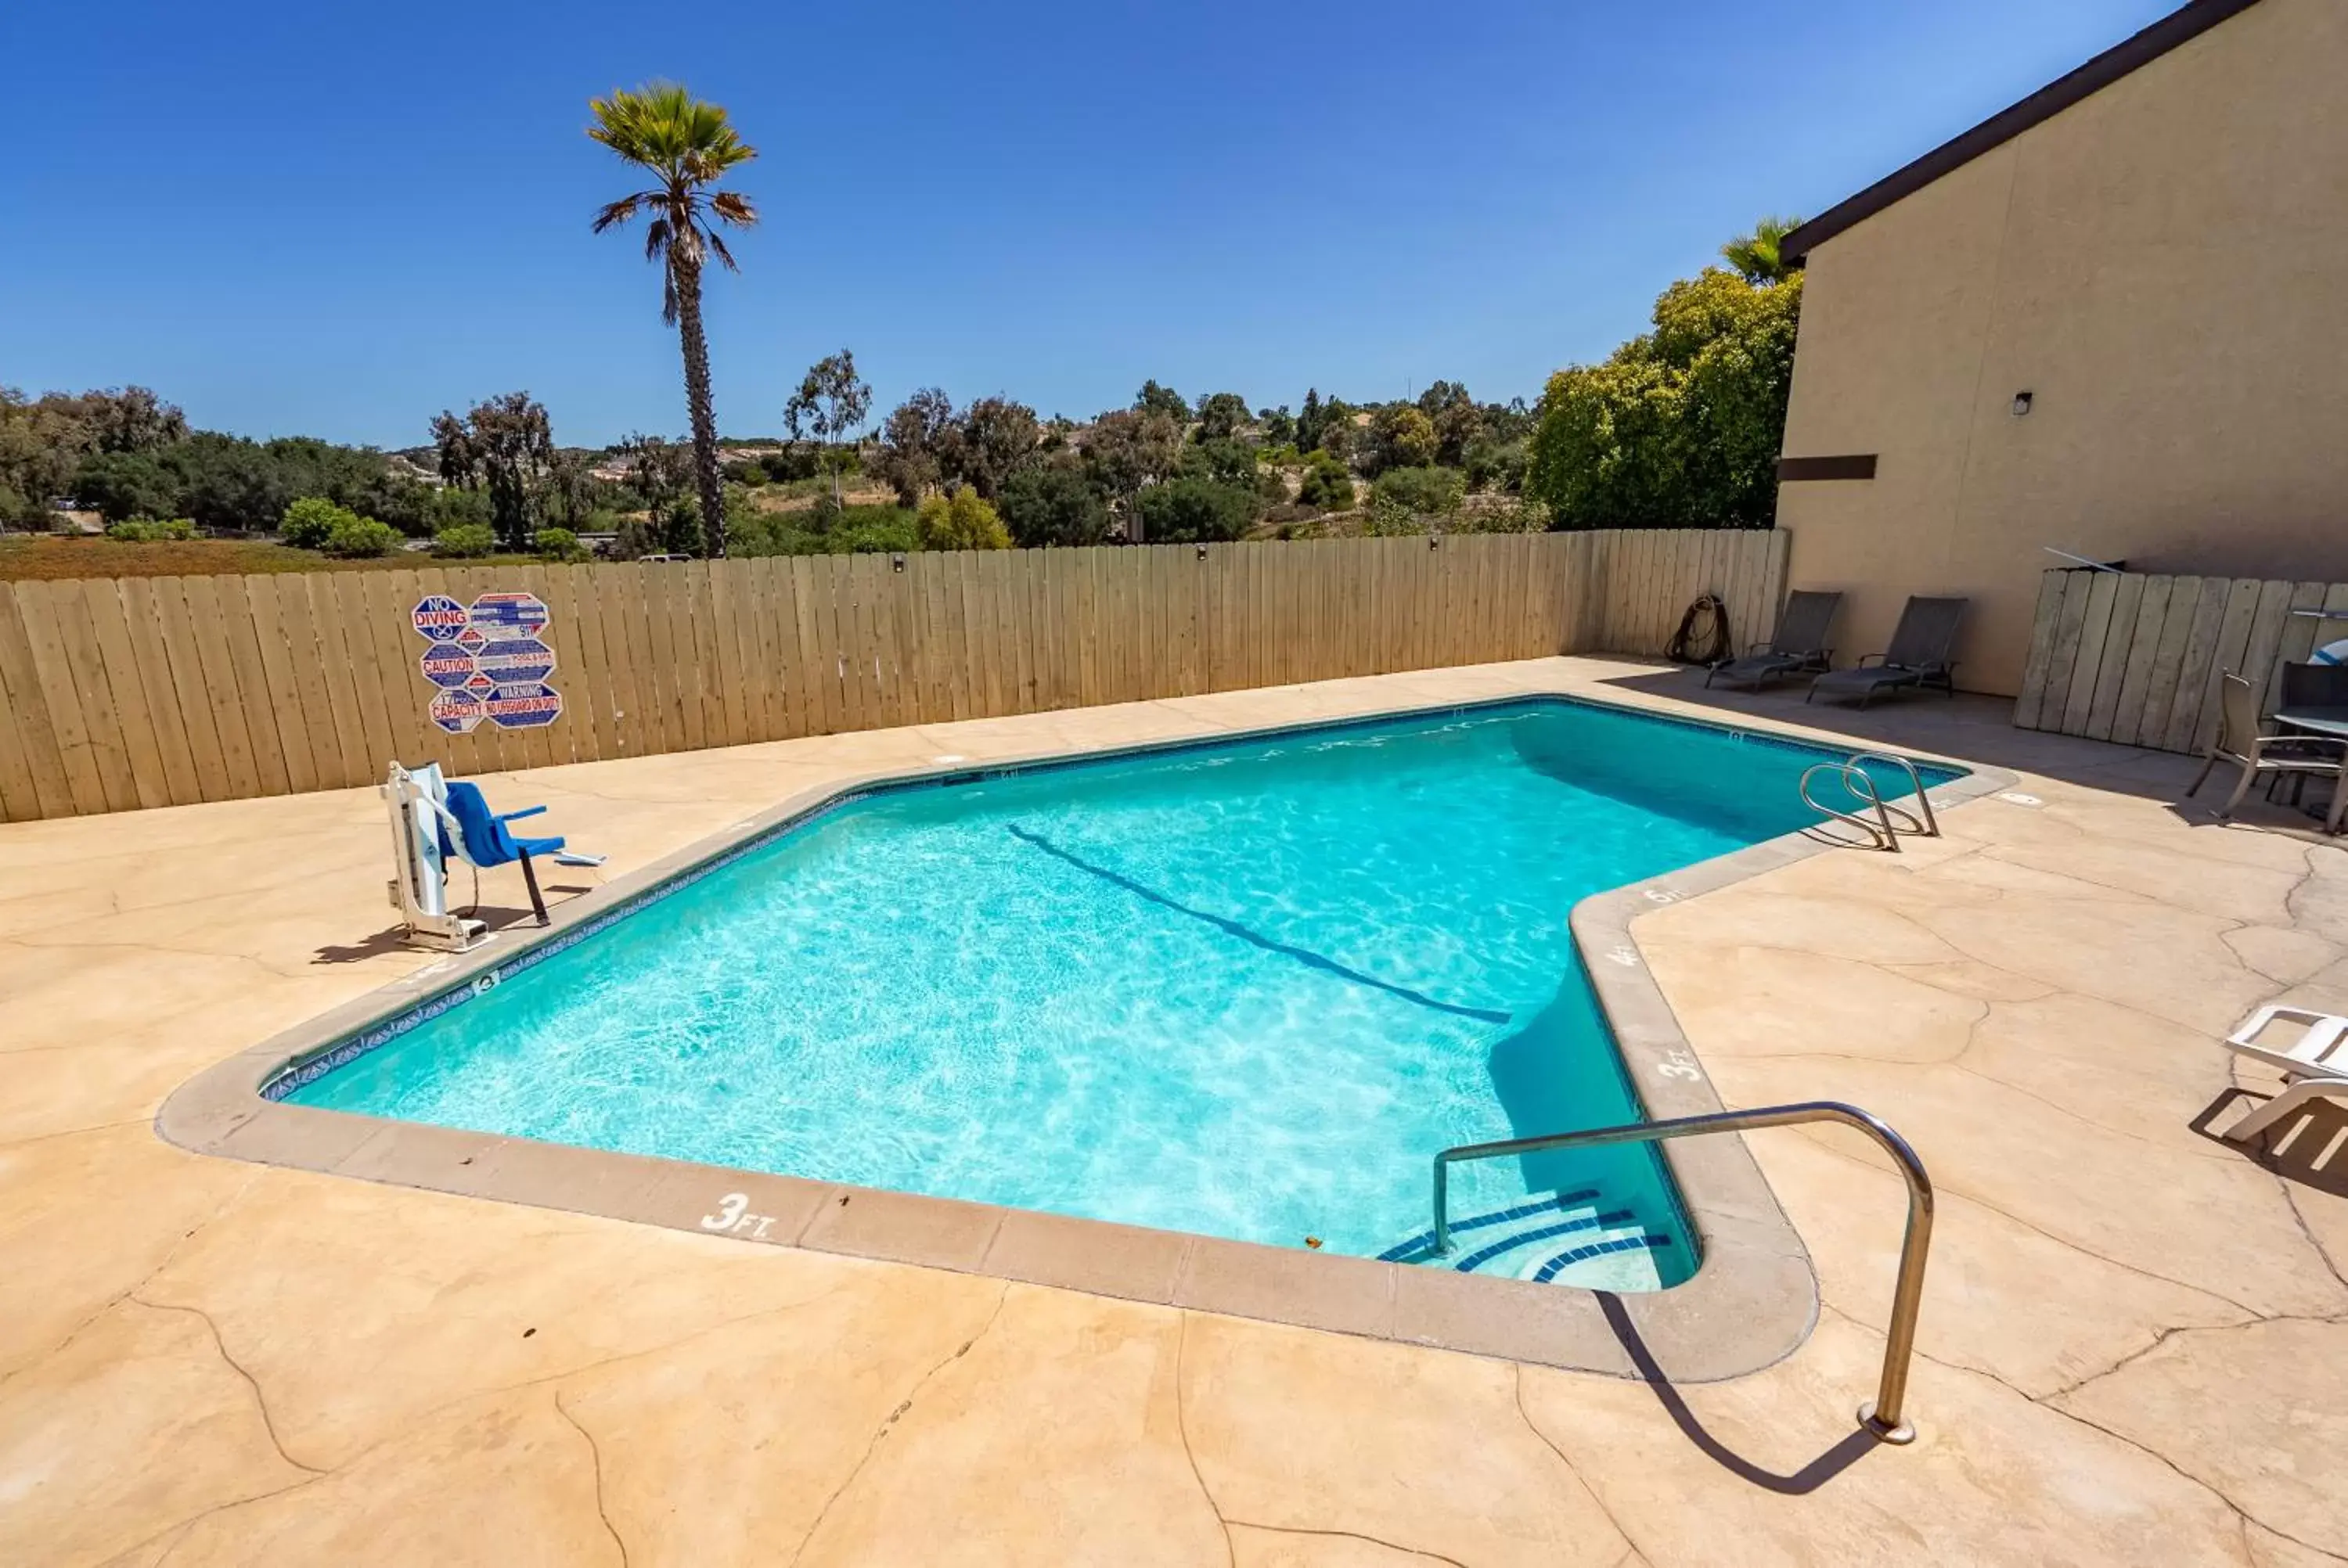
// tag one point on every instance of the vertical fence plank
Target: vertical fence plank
(2095, 628)
(2143, 647)
(208, 738)
(150, 666)
(37, 772)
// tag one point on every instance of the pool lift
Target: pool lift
(417, 801)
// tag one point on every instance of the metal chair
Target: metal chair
(2241, 739)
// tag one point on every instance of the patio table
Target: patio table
(2331, 723)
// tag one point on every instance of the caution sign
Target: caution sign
(489, 660)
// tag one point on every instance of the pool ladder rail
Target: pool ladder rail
(1881, 1417)
(1884, 828)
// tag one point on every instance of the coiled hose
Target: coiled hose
(1703, 637)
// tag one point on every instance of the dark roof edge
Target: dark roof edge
(2179, 26)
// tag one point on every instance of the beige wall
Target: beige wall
(2165, 266)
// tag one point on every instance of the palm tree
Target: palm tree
(687, 146)
(1754, 256)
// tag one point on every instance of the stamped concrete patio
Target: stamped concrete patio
(2134, 1345)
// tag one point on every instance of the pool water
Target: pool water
(1245, 990)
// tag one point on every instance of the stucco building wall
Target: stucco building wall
(2164, 267)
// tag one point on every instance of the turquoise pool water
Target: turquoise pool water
(1244, 990)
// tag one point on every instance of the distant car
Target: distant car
(664, 557)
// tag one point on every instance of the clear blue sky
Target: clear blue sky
(335, 220)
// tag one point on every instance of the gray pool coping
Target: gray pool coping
(1752, 1301)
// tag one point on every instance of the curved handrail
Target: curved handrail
(1860, 783)
(1930, 826)
(1855, 780)
(1881, 1417)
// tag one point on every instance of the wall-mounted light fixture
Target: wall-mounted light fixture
(2021, 401)
(1435, 541)
(1202, 552)
(897, 563)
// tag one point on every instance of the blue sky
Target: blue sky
(335, 220)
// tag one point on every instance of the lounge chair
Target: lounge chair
(1918, 655)
(484, 840)
(2241, 738)
(2316, 1064)
(1799, 647)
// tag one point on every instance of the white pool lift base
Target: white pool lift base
(419, 884)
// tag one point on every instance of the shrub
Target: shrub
(1192, 510)
(635, 538)
(559, 545)
(1425, 491)
(1052, 505)
(464, 539)
(355, 538)
(1327, 484)
(144, 530)
(962, 521)
(310, 521)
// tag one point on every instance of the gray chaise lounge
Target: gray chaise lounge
(1918, 655)
(1799, 647)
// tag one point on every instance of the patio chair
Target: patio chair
(484, 840)
(2315, 1065)
(1799, 647)
(1918, 657)
(2241, 739)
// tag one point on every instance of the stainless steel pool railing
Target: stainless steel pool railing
(1883, 832)
(1881, 1417)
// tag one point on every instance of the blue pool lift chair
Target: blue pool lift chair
(483, 838)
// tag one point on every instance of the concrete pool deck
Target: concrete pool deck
(2134, 1345)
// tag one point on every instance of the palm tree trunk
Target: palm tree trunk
(695, 344)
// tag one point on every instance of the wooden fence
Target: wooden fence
(117, 693)
(2136, 658)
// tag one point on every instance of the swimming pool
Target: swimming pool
(1243, 989)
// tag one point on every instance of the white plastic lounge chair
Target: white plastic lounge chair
(2317, 1062)
(1799, 648)
(2241, 739)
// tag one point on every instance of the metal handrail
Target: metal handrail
(1861, 786)
(1882, 1417)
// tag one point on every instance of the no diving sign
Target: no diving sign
(487, 660)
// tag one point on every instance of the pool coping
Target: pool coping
(1752, 1301)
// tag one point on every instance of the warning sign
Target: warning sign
(487, 660)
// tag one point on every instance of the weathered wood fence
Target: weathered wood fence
(2136, 658)
(117, 693)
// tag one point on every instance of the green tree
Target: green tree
(505, 445)
(120, 484)
(1679, 427)
(993, 439)
(1403, 437)
(830, 405)
(913, 440)
(1052, 504)
(687, 146)
(1422, 492)
(1125, 452)
(1155, 399)
(1220, 415)
(1755, 256)
(1328, 484)
(962, 521)
(308, 523)
(1191, 509)
(1278, 426)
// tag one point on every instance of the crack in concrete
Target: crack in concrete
(2241, 1513)
(259, 1400)
(119, 1298)
(595, 1455)
(1343, 1535)
(1949, 1190)
(1182, 1428)
(1630, 1547)
(872, 1444)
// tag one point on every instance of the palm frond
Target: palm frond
(717, 244)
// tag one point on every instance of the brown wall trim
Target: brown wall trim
(2177, 28)
(1855, 467)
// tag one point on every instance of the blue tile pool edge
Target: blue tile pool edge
(1752, 1301)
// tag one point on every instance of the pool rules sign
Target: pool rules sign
(489, 660)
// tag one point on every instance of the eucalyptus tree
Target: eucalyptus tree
(687, 146)
(830, 405)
